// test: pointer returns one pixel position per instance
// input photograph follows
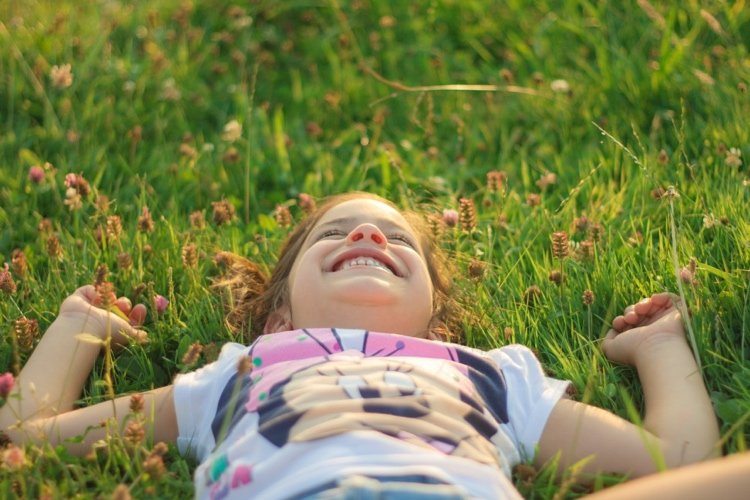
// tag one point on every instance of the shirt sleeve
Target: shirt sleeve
(196, 396)
(531, 395)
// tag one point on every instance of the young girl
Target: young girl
(352, 386)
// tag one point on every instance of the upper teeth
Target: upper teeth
(364, 261)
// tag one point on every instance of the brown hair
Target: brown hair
(252, 296)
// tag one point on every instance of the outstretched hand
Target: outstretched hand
(642, 325)
(122, 319)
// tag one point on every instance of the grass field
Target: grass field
(623, 124)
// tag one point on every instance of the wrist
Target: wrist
(655, 348)
(73, 323)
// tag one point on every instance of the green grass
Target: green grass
(656, 100)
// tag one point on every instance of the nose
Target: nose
(367, 232)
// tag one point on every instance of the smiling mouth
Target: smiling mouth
(363, 262)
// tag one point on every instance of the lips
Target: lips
(365, 257)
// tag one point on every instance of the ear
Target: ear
(279, 320)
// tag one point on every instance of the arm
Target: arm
(679, 426)
(41, 406)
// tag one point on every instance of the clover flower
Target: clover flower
(560, 86)
(61, 76)
(283, 216)
(733, 157)
(232, 131)
(7, 284)
(223, 212)
(450, 217)
(160, 304)
(7, 381)
(145, 221)
(36, 174)
(306, 203)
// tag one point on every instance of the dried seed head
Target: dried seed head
(306, 203)
(154, 466)
(283, 216)
(27, 331)
(101, 274)
(467, 214)
(585, 250)
(223, 212)
(145, 221)
(45, 226)
(581, 224)
(124, 261)
(114, 227)
(54, 250)
(496, 181)
(508, 333)
(136, 402)
(160, 449)
(588, 297)
(507, 75)
(548, 179)
(198, 219)
(135, 134)
(477, 269)
(560, 247)
(556, 277)
(532, 295)
(232, 155)
(102, 203)
(192, 354)
(7, 284)
(121, 492)
(18, 263)
(105, 295)
(190, 255)
(596, 231)
(687, 276)
(211, 352)
(134, 432)
(663, 157)
(533, 200)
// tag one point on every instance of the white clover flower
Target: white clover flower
(232, 131)
(61, 76)
(734, 157)
(560, 86)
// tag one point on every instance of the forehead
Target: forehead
(365, 210)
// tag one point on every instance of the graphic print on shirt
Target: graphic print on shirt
(311, 384)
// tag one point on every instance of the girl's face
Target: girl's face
(361, 266)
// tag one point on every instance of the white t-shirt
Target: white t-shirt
(321, 405)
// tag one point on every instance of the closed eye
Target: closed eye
(330, 233)
(403, 239)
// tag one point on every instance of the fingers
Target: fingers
(137, 315)
(124, 304)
